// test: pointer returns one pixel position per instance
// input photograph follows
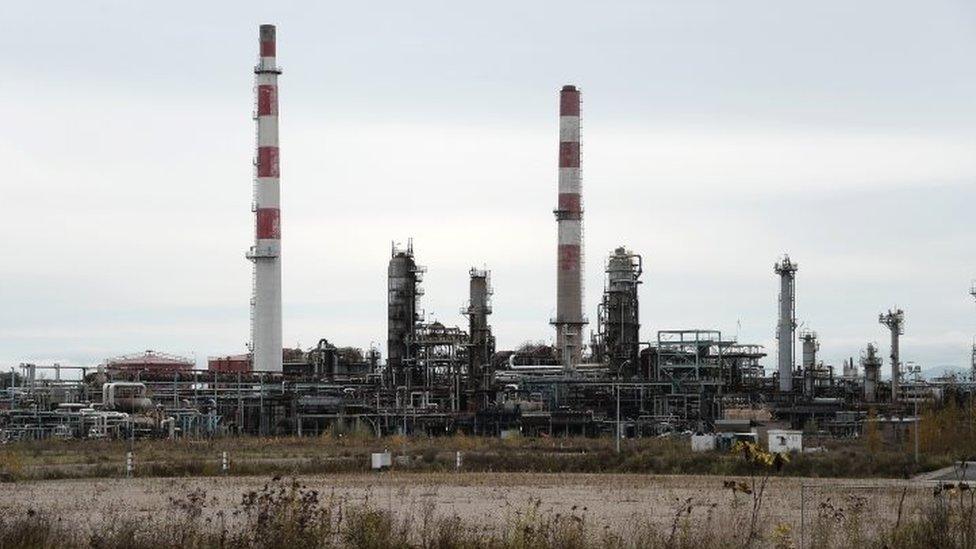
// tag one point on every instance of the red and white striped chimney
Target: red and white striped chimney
(266, 252)
(569, 319)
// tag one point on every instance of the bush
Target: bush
(10, 467)
(29, 530)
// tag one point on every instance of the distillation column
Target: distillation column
(786, 327)
(266, 252)
(569, 319)
(481, 343)
(403, 285)
(894, 320)
(871, 363)
(619, 318)
(810, 346)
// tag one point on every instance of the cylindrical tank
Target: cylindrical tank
(125, 397)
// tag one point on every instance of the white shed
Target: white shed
(782, 440)
(381, 460)
(702, 443)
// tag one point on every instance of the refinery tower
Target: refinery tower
(569, 321)
(266, 252)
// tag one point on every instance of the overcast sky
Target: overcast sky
(717, 135)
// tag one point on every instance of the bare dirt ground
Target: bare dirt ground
(489, 499)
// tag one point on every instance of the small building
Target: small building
(893, 431)
(380, 461)
(702, 443)
(782, 440)
(231, 364)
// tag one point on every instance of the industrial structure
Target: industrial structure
(150, 362)
(871, 363)
(894, 320)
(786, 328)
(481, 342)
(440, 378)
(404, 291)
(266, 252)
(809, 365)
(569, 321)
(618, 340)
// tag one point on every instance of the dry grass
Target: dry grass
(296, 513)
(350, 454)
(610, 506)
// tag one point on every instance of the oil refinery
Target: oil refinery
(597, 378)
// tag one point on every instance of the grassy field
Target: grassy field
(350, 454)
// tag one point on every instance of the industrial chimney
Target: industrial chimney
(266, 252)
(569, 319)
(786, 327)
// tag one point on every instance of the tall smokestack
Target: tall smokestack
(786, 327)
(569, 319)
(266, 252)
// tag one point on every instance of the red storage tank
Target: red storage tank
(150, 362)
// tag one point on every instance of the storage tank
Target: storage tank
(125, 397)
(150, 362)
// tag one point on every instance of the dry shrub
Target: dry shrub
(29, 529)
(285, 514)
(535, 527)
(11, 467)
(948, 521)
(370, 528)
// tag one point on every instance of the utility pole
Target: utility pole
(916, 372)
(916, 430)
(972, 366)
